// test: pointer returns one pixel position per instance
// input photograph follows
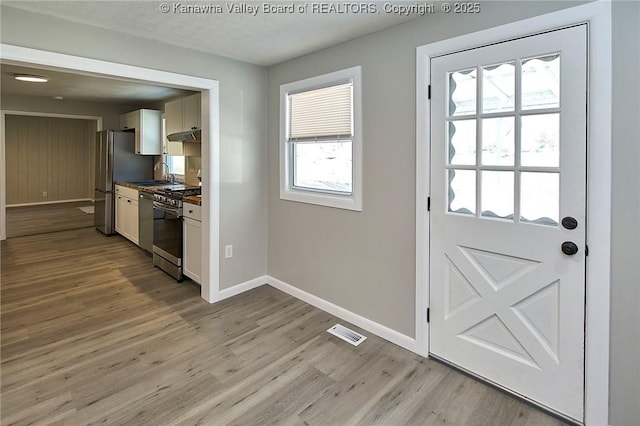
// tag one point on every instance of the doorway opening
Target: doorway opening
(597, 16)
(210, 169)
(48, 172)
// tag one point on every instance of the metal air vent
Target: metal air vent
(347, 335)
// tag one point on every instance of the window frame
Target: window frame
(288, 191)
(168, 159)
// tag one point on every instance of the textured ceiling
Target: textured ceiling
(240, 30)
(248, 33)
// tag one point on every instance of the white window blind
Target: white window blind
(321, 114)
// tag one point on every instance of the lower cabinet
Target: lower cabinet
(192, 240)
(127, 213)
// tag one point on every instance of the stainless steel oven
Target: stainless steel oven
(167, 229)
(167, 239)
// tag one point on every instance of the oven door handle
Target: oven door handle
(166, 209)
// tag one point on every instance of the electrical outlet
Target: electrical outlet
(44, 194)
(228, 252)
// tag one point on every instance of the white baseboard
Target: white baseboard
(242, 287)
(48, 202)
(379, 330)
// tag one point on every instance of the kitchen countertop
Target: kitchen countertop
(147, 188)
(193, 199)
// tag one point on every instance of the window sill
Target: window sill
(346, 202)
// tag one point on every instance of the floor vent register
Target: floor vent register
(347, 335)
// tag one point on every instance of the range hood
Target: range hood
(188, 136)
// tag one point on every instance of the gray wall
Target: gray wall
(625, 227)
(243, 201)
(364, 261)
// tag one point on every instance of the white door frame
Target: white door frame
(597, 15)
(16, 55)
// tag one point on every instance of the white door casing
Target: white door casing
(210, 95)
(506, 303)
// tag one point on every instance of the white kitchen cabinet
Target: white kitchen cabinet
(173, 116)
(128, 121)
(192, 242)
(174, 148)
(191, 112)
(147, 124)
(182, 115)
(127, 213)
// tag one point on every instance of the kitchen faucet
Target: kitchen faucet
(172, 177)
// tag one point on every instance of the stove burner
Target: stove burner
(173, 196)
(179, 192)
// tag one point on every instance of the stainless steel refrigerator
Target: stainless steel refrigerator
(116, 161)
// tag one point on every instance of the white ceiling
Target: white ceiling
(263, 39)
(84, 88)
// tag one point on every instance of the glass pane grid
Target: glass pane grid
(498, 141)
(461, 148)
(503, 150)
(498, 87)
(462, 191)
(540, 82)
(462, 92)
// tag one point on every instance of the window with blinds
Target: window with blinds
(320, 141)
(321, 114)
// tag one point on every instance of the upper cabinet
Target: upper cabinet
(148, 129)
(191, 112)
(173, 116)
(183, 115)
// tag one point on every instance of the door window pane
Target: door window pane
(462, 142)
(498, 135)
(540, 140)
(541, 82)
(324, 166)
(540, 198)
(462, 92)
(462, 191)
(497, 194)
(498, 87)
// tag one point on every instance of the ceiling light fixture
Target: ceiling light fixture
(31, 78)
(58, 98)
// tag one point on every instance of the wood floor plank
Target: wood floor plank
(281, 407)
(39, 219)
(341, 402)
(41, 413)
(405, 397)
(92, 333)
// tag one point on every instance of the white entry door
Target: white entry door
(507, 244)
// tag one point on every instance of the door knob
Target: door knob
(569, 248)
(569, 222)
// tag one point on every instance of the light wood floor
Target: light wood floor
(40, 219)
(93, 334)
